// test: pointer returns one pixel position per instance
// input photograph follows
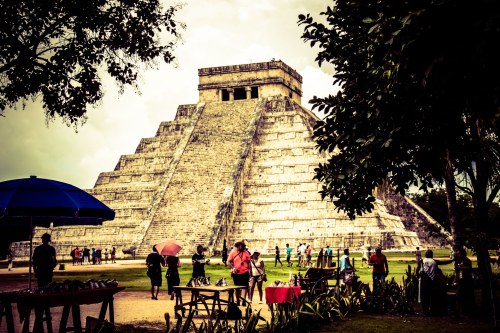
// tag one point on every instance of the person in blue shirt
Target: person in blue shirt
(328, 256)
(345, 262)
(289, 255)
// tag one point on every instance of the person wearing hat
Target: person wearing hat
(257, 274)
(44, 261)
(239, 260)
(380, 267)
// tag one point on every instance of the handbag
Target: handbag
(349, 277)
(262, 277)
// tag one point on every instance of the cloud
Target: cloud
(219, 32)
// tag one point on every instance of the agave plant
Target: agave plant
(390, 297)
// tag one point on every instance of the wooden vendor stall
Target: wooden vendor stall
(42, 303)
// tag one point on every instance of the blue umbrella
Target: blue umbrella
(42, 201)
(41, 197)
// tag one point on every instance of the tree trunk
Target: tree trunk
(488, 298)
(481, 207)
(451, 200)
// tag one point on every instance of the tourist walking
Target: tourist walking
(289, 255)
(426, 270)
(224, 254)
(257, 274)
(98, 256)
(10, 259)
(432, 285)
(380, 267)
(364, 257)
(106, 256)
(239, 261)
(302, 250)
(86, 255)
(346, 269)
(418, 255)
(308, 256)
(299, 255)
(72, 255)
(199, 262)
(345, 262)
(44, 261)
(277, 257)
(328, 255)
(78, 256)
(173, 279)
(113, 255)
(319, 259)
(94, 256)
(154, 261)
(463, 275)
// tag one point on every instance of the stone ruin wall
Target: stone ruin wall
(282, 205)
(414, 218)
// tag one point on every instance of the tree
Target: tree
(418, 105)
(434, 203)
(55, 49)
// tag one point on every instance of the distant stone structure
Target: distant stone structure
(237, 165)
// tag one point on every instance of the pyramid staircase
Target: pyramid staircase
(280, 202)
(204, 176)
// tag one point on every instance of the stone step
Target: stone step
(204, 171)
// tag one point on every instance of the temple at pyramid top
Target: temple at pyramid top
(249, 81)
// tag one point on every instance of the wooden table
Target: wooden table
(200, 296)
(70, 301)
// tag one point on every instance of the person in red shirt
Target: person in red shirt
(239, 260)
(380, 268)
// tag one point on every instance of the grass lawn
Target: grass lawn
(370, 323)
(135, 279)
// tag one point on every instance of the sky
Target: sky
(218, 33)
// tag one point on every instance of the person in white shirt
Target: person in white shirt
(302, 250)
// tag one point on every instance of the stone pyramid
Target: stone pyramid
(237, 165)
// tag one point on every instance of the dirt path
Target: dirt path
(131, 307)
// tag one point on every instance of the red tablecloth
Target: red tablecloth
(281, 294)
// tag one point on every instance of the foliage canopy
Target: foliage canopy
(420, 88)
(55, 49)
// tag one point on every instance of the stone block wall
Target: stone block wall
(281, 201)
(233, 170)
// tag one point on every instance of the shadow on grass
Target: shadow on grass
(369, 323)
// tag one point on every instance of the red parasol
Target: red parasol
(168, 247)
